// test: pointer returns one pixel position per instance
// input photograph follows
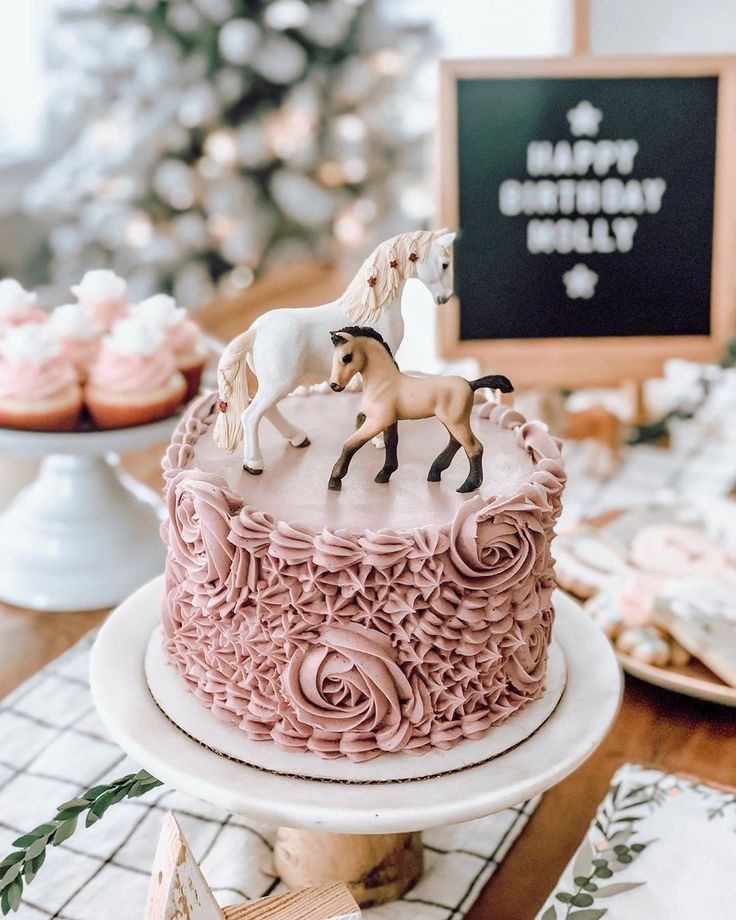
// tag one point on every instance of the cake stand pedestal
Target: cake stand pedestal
(83, 534)
(365, 833)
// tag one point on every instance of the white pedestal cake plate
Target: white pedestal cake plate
(82, 535)
(470, 781)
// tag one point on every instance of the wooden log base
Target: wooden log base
(377, 868)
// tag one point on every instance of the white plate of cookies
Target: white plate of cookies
(661, 583)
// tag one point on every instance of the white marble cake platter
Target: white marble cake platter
(187, 712)
(569, 736)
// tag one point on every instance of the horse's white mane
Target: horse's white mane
(379, 277)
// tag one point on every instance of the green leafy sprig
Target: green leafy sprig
(20, 867)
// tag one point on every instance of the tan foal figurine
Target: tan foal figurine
(389, 396)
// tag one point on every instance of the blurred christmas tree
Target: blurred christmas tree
(213, 137)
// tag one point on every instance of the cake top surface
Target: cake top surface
(293, 487)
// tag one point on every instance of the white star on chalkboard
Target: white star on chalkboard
(584, 119)
(580, 282)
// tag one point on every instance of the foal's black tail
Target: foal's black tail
(494, 382)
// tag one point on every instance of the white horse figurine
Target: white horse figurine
(288, 348)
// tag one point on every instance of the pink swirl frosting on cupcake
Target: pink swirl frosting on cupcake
(77, 332)
(134, 358)
(182, 334)
(30, 364)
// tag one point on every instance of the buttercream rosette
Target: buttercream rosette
(359, 643)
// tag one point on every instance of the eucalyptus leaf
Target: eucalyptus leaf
(582, 863)
(91, 819)
(66, 813)
(12, 873)
(102, 804)
(608, 891)
(36, 863)
(37, 847)
(592, 913)
(91, 794)
(549, 914)
(12, 859)
(15, 892)
(43, 830)
(64, 831)
(4, 903)
(25, 841)
(74, 803)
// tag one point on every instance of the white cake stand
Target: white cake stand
(82, 535)
(364, 832)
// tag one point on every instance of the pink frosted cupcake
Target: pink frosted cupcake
(18, 306)
(38, 386)
(78, 335)
(183, 335)
(134, 379)
(104, 293)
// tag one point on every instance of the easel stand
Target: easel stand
(366, 832)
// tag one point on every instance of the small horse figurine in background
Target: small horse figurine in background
(287, 348)
(390, 396)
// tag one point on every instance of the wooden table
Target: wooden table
(655, 727)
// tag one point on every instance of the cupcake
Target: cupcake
(104, 293)
(183, 335)
(78, 335)
(134, 379)
(38, 385)
(18, 306)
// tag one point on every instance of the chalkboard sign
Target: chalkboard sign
(596, 205)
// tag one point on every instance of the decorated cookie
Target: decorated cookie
(645, 643)
(701, 615)
(679, 551)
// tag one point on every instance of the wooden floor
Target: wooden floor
(654, 727)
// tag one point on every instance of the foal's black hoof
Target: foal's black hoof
(469, 486)
(334, 485)
(383, 476)
(249, 469)
(305, 443)
(434, 476)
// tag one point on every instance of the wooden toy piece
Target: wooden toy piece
(289, 347)
(377, 868)
(325, 902)
(179, 891)
(390, 396)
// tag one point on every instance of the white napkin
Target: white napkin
(661, 847)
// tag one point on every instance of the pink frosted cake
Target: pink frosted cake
(395, 618)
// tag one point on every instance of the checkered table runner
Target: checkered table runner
(52, 746)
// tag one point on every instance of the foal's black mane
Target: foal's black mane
(366, 332)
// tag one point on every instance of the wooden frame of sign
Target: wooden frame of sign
(583, 361)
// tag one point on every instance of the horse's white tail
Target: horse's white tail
(232, 382)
